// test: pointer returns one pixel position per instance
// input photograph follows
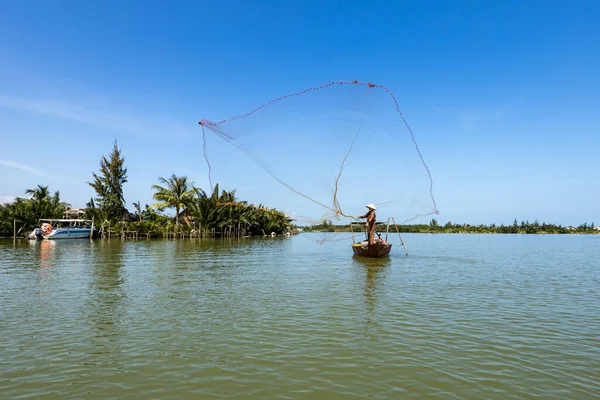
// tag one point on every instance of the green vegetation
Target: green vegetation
(196, 212)
(110, 202)
(177, 194)
(26, 211)
(200, 213)
(525, 227)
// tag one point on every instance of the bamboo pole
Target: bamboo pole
(387, 232)
(401, 241)
(352, 230)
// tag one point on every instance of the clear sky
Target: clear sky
(502, 96)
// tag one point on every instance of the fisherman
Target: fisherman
(371, 222)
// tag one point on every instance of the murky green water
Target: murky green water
(462, 317)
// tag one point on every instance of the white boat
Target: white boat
(64, 229)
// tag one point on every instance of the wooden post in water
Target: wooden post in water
(14, 228)
(401, 241)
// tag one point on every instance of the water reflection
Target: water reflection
(374, 269)
(46, 254)
(46, 250)
(106, 299)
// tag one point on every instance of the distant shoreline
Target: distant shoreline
(530, 229)
(391, 232)
(468, 232)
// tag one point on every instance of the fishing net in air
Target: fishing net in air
(323, 153)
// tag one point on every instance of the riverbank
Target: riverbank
(167, 235)
(540, 229)
(391, 232)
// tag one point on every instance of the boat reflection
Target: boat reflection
(375, 269)
(46, 251)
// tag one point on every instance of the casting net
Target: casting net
(323, 153)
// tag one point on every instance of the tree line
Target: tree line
(207, 214)
(524, 227)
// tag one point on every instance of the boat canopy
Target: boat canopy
(74, 212)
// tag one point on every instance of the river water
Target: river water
(460, 317)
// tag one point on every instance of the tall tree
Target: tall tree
(176, 193)
(108, 184)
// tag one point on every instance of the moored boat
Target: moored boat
(52, 229)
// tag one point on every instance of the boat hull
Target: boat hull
(70, 233)
(377, 249)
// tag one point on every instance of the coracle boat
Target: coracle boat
(379, 248)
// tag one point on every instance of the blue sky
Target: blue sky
(501, 95)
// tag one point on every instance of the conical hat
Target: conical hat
(371, 206)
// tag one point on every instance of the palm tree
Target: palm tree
(45, 205)
(40, 198)
(27, 211)
(222, 210)
(176, 193)
(39, 193)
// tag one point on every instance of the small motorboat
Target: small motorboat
(64, 229)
